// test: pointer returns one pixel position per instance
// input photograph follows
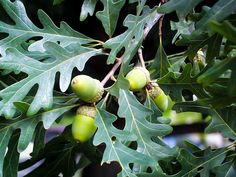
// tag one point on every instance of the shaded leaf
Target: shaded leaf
(220, 10)
(10, 166)
(175, 84)
(27, 126)
(225, 28)
(192, 165)
(182, 7)
(88, 7)
(57, 2)
(161, 65)
(227, 169)
(215, 72)
(201, 36)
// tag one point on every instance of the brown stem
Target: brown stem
(140, 55)
(112, 71)
(161, 23)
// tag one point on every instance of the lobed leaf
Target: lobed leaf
(175, 83)
(40, 74)
(132, 38)
(110, 14)
(88, 7)
(135, 115)
(27, 126)
(23, 30)
(115, 149)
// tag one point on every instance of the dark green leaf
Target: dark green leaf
(27, 126)
(10, 166)
(218, 12)
(161, 65)
(175, 84)
(225, 29)
(57, 2)
(182, 7)
(227, 169)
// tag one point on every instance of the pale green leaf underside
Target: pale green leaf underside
(132, 38)
(135, 115)
(109, 15)
(40, 74)
(115, 149)
(24, 29)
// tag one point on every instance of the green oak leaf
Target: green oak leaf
(115, 149)
(110, 14)
(182, 7)
(135, 115)
(132, 38)
(41, 74)
(23, 29)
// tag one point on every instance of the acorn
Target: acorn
(160, 98)
(87, 88)
(138, 78)
(83, 126)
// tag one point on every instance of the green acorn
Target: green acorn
(160, 98)
(138, 78)
(83, 126)
(87, 89)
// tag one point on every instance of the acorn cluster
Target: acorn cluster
(139, 78)
(89, 90)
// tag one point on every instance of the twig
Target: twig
(112, 71)
(140, 55)
(145, 33)
(161, 24)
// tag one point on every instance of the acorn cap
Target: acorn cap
(154, 90)
(100, 91)
(89, 111)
